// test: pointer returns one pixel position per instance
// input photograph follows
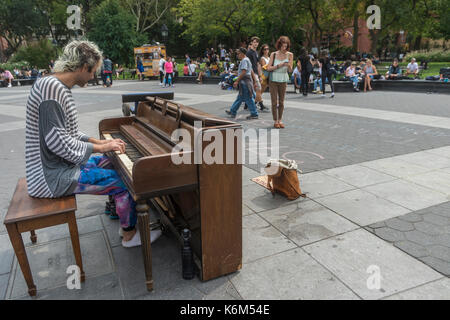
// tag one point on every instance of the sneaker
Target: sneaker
(136, 240)
(232, 116)
(9, 85)
(250, 117)
(332, 95)
(323, 95)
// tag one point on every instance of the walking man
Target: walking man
(253, 56)
(245, 81)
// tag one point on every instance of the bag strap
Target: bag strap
(292, 186)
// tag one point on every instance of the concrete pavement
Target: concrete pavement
(375, 225)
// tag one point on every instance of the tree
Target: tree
(20, 21)
(147, 13)
(213, 19)
(37, 55)
(114, 31)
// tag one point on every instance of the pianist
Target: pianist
(58, 155)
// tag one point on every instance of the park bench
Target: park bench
(26, 213)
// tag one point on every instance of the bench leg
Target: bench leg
(21, 254)
(144, 229)
(33, 237)
(73, 229)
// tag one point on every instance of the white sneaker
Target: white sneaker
(136, 240)
(323, 95)
(332, 95)
(160, 84)
(9, 85)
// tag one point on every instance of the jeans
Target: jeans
(247, 98)
(355, 81)
(317, 82)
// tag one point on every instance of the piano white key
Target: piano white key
(122, 156)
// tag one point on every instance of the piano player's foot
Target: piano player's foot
(135, 241)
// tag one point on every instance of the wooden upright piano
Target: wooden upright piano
(205, 198)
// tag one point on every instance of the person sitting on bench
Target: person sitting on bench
(58, 155)
(395, 72)
(6, 76)
(413, 68)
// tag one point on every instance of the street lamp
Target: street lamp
(164, 32)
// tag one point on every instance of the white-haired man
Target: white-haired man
(58, 155)
(412, 68)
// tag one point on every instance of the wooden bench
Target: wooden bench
(26, 213)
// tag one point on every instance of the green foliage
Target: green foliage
(114, 31)
(38, 54)
(12, 65)
(431, 56)
(20, 20)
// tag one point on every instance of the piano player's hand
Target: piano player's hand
(115, 145)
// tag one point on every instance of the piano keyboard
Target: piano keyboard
(130, 150)
(131, 153)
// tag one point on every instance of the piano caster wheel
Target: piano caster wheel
(126, 110)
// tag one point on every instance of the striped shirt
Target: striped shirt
(54, 148)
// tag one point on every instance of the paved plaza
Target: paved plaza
(376, 170)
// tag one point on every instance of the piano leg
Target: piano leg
(144, 229)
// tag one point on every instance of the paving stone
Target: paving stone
(49, 262)
(436, 219)
(246, 211)
(440, 252)
(411, 217)
(352, 255)
(6, 254)
(216, 289)
(419, 237)
(4, 279)
(436, 290)
(318, 184)
(396, 167)
(85, 225)
(399, 225)
(438, 264)
(306, 222)
(422, 158)
(389, 234)
(414, 249)
(407, 194)
(429, 228)
(291, 275)
(359, 176)
(105, 287)
(362, 207)
(377, 225)
(260, 239)
(258, 199)
(90, 205)
(435, 180)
